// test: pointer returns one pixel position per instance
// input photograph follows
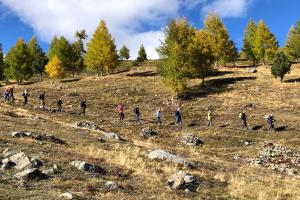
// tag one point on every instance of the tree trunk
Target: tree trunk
(203, 81)
(97, 72)
(101, 71)
(73, 74)
(253, 64)
(281, 79)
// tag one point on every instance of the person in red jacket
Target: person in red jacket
(121, 112)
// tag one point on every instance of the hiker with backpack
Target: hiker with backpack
(137, 114)
(270, 122)
(59, 104)
(42, 100)
(7, 95)
(210, 118)
(243, 118)
(178, 119)
(121, 108)
(82, 107)
(25, 96)
(158, 117)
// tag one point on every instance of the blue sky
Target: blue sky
(136, 22)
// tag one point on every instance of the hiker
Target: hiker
(25, 96)
(42, 99)
(121, 112)
(178, 119)
(83, 107)
(270, 122)
(210, 118)
(137, 113)
(59, 104)
(7, 95)
(243, 118)
(158, 117)
(11, 93)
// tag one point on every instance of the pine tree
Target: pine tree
(124, 53)
(1, 62)
(248, 46)
(19, 62)
(175, 55)
(292, 46)
(219, 39)
(38, 56)
(61, 48)
(202, 57)
(281, 66)
(101, 52)
(55, 68)
(142, 55)
(78, 52)
(265, 44)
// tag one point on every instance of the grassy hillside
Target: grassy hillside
(219, 175)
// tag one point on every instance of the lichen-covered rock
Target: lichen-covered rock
(84, 166)
(49, 138)
(21, 160)
(163, 155)
(182, 181)
(147, 132)
(54, 170)
(110, 185)
(276, 157)
(190, 140)
(88, 125)
(252, 70)
(31, 174)
(112, 136)
(20, 134)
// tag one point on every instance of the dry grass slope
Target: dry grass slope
(219, 175)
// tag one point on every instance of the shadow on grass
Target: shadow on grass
(213, 86)
(143, 74)
(70, 80)
(292, 80)
(121, 71)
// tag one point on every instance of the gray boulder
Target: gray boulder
(190, 140)
(182, 181)
(54, 170)
(6, 164)
(20, 134)
(31, 174)
(21, 160)
(252, 70)
(147, 132)
(110, 185)
(84, 166)
(66, 195)
(112, 136)
(163, 155)
(88, 125)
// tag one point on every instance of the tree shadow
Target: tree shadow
(121, 72)
(292, 80)
(143, 74)
(213, 86)
(70, 80)
(219, 73)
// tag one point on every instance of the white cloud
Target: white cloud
(227, 8)
(125, 19)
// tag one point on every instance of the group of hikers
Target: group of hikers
(9, 95)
